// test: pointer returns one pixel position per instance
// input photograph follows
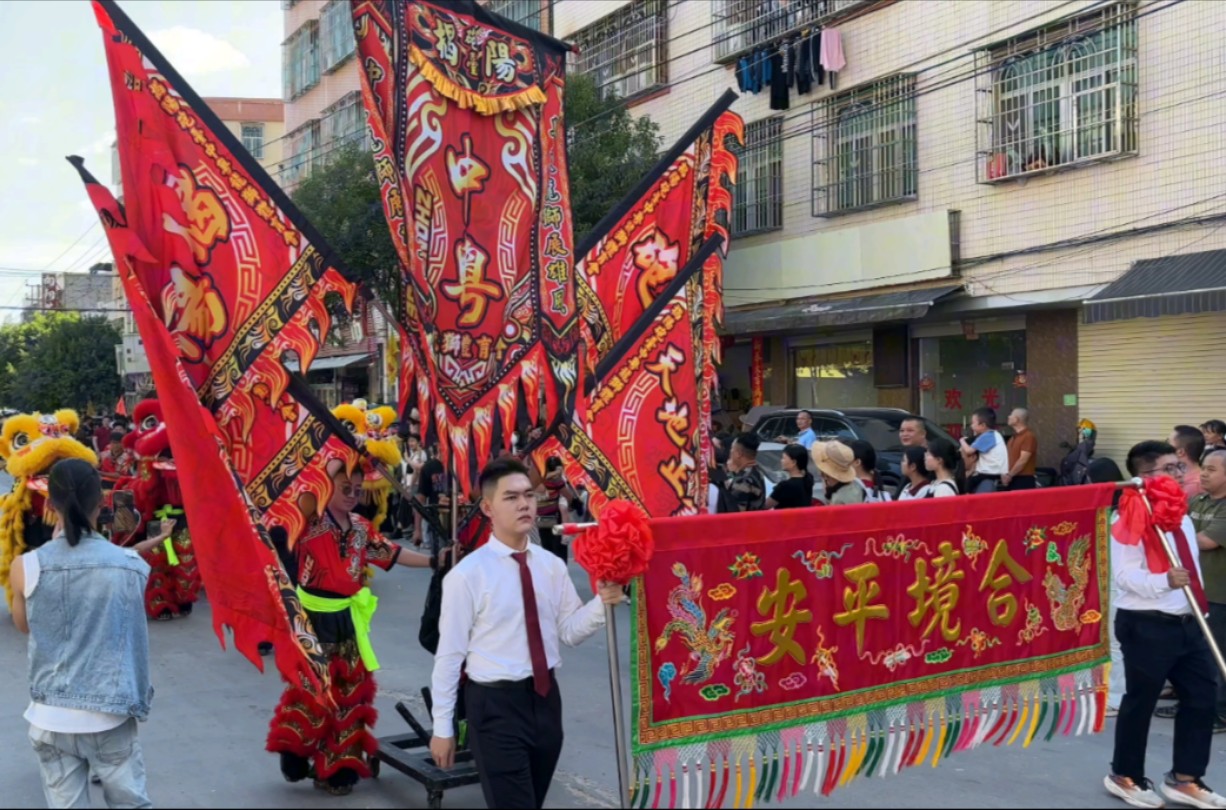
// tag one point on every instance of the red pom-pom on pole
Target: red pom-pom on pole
(619, 547)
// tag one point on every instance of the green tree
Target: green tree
(342, 200)
(609, 151)
(59, 360)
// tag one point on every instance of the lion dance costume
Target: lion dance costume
(174, 581)
(31, 444)
(334, 744)
(375, 424)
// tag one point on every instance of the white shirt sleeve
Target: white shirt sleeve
(577, 621)
(1132, 575)
(455, 624)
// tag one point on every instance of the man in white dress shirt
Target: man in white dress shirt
(505, 608)
(1161, 640)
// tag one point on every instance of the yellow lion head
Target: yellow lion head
(353, 418)
(32, 443)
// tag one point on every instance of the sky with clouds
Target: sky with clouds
(56, 101)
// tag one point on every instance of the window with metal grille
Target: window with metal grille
(524, 12)
(303, 150)
(626, 52)
(758, 194)
(739, 25)
(336, 24)
(300, 60)
(253, 140)
(343, 123)
(864, 147)
(1063, 95)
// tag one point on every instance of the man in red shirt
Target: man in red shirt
(117, 462)
(102, 435)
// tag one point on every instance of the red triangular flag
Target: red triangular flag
(121, 407)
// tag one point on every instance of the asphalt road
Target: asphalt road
(204, 741)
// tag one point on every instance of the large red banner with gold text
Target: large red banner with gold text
(465, 114)
(809, 627)
(227, 282)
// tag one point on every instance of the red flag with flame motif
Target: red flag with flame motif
(465, 113)
(635, 435)
(226, 280)
(638, 249)
(652, 271)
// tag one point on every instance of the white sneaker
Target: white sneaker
(1137, 795)
(1190, 794)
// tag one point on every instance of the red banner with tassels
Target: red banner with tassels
(226, 281)
(775, 652)
(465, 113)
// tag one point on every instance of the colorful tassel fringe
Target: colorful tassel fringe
(781, 764)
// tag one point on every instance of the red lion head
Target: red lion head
(150, 437)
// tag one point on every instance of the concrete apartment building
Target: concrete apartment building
(322, 91)
(258, 122)
(992, 202)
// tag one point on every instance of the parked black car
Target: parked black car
(878, 426)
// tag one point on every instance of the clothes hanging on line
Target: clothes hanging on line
(779, 79)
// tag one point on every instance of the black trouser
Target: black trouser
(1217, 626)
(1022, 482)
(516, 739)
(1158, 647)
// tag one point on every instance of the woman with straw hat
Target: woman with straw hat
(835, 462)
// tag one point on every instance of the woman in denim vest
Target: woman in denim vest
(81, 599)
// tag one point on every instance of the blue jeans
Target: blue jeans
(115, 756)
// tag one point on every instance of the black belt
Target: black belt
(524, 683)
(1158, 615)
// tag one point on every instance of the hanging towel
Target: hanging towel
(833, 59)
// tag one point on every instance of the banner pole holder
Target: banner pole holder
(615, 682)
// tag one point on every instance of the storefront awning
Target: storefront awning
(810, 313)
(1174, 285)
(325, 363)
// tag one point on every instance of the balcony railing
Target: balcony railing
(743, 24)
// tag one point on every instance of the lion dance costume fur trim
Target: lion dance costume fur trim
(174, 581)
(31, 444)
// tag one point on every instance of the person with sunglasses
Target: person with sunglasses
(333, 744)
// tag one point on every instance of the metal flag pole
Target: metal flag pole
(615, 683)
(1173, 556)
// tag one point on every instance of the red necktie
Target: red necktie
(536, 645)
(1185, 557)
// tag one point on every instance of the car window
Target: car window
(779, 426)
(881, 432)
(828, 429)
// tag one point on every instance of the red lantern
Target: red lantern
(926, 383)
(1019, 379)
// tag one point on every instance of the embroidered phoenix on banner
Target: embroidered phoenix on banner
(465, 114)
(226, 281)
